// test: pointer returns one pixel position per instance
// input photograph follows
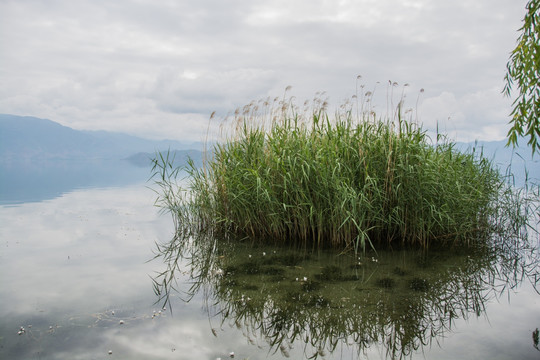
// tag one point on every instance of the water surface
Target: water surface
(75, 276)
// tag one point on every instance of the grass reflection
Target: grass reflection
(401, 301)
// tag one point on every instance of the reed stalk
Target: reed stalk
(349, 180)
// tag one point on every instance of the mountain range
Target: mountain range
(29, 138)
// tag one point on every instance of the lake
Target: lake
(77, 284)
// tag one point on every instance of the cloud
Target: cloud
(137, 65)
(481, 115)
(190, 91)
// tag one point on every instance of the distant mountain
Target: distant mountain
(29, 138)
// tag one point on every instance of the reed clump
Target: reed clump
(352, 179)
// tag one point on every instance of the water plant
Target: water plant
(351, 180)
(354, 182)
(386, 283)
(419, 284)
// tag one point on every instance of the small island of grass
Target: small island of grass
(349, 180)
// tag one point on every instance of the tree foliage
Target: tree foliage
(523, 72)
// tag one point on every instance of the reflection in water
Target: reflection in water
(68, 262)
(34, 181)
(401, 302)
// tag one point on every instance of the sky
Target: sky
(158, 69)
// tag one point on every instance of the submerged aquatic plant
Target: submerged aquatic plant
(350, 180)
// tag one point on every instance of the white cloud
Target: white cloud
(482, 115)
(137, 65)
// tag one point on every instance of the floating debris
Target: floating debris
(231, 354)
(218, 272)
(110, 352)
(157, 313)
(284, 351)
(121, 322)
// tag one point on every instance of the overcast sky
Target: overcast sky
(158, 68)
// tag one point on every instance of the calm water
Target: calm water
(75, 275)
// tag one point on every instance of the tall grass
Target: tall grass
(348, 180)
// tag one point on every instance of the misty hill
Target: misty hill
(31, 138)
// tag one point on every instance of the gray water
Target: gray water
(76, 284)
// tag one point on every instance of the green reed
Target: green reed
(348, 180)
